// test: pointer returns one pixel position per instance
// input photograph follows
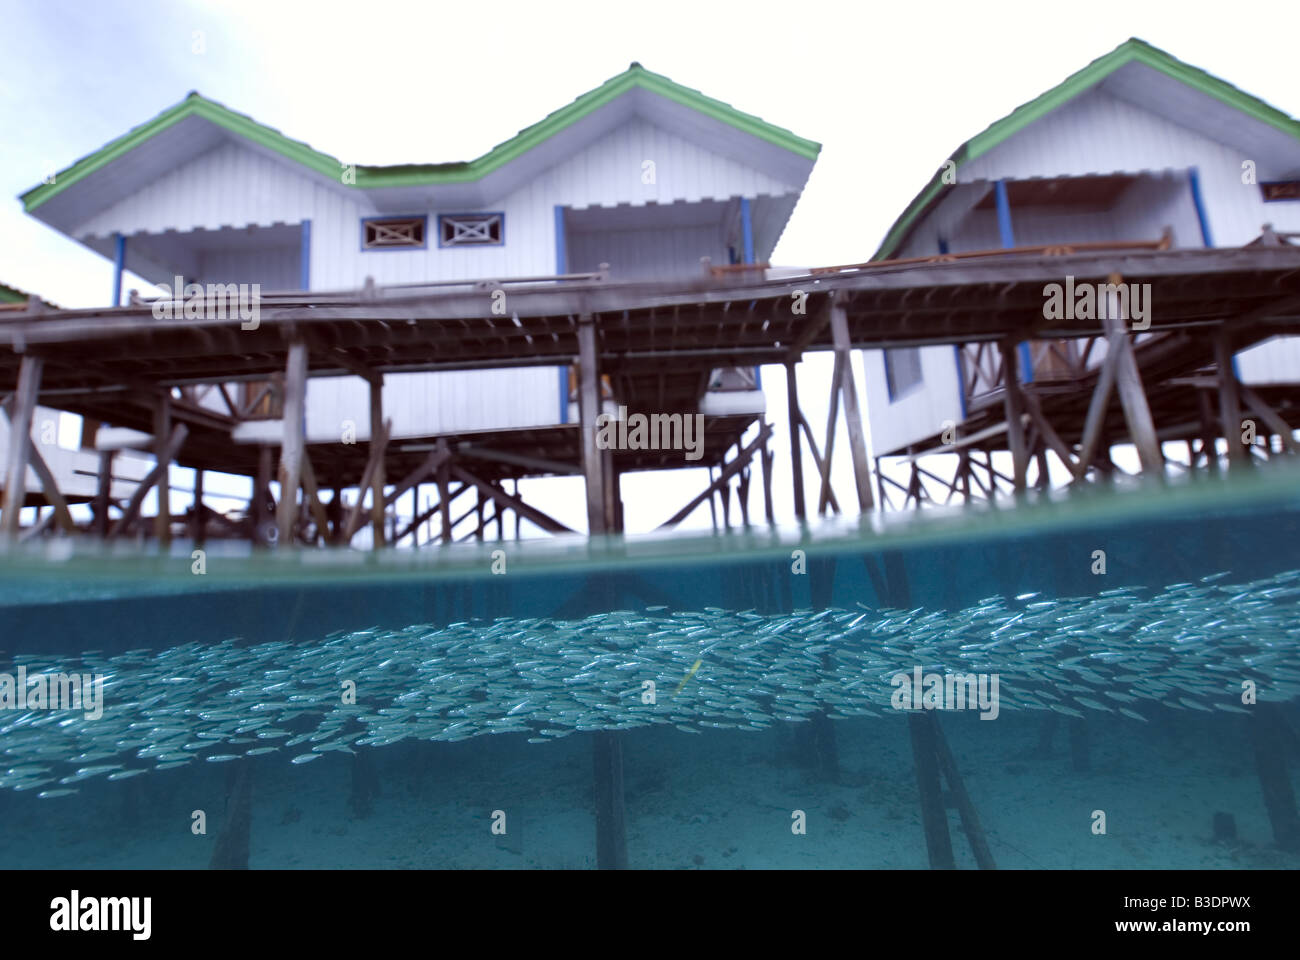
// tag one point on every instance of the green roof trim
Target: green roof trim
(1131, 51)
(409, 175)
(10, 294)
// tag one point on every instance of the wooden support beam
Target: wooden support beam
(765, 462)
(378, 444)
(293, 444)
(1096, 418)
(934, 819)
(1229, 400)
(832, 414)
(20, 442)
(1271, 418)
(103, 492)
(528, 512)
(795, 417)
(262, 505)
(198, 526)
(444, 498)
(162, 428)
(62, 516)
(426, 514)
(1052, 438)
(970, 821)
(1137, 412)
(311, 493)
(589, 405)
(727, 472)
(377, 477)
(1014, 404)
(852, 415)
(166, 455)
(429, 465)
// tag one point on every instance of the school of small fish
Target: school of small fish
(1190, 646)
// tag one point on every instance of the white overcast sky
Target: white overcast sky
(890, 90)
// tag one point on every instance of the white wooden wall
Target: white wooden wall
(646, 254)
(919, 412)
(76, 472)
(233, 186)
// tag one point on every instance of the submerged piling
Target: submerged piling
(938, 842)
(611, 815)
(231, 851)
(1267, 732)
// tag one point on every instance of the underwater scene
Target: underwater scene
(1107, 682)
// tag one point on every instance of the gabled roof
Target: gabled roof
(1131, 51)
(405, 175)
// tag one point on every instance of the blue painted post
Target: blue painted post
(304, 255)
(1194, 181)
(747, 229)
(119, 264)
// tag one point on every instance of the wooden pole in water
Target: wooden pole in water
(293, 441)
(934, 820)
(103, 492)
(1229, 401)
(20, 442)
(796, 447)
(444, 490)
(1014, 404)
(852, 416)
(607, 747)
(231, 849)
(589, 403)
(162, 430)
(197, 526)
(970, 821)
(1268, 736)
(377, 479)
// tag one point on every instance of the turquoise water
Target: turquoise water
(441, 708)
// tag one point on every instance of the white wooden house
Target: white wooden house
(1135, 144)
(640, 174)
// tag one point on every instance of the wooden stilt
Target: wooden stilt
(1137, 413)
(262, 504)
(103, 492)
(1271, 419)
(231, 850)
(970, 821)
(50, 486)
(796, 448)
(162, 427)
(832, 415)
(374, 463)
(1270, 764)
(293, 442)
(590, 403)
(934, 819)
(444, 483)
(766, 464)
(1229, 401)
(852, 416)
(1014, 405)
(1209, 435)
(20, 442)
(137, 499)
(377, 479)
(611, 812)
(198, 525)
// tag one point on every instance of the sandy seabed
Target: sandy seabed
(717, 800)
